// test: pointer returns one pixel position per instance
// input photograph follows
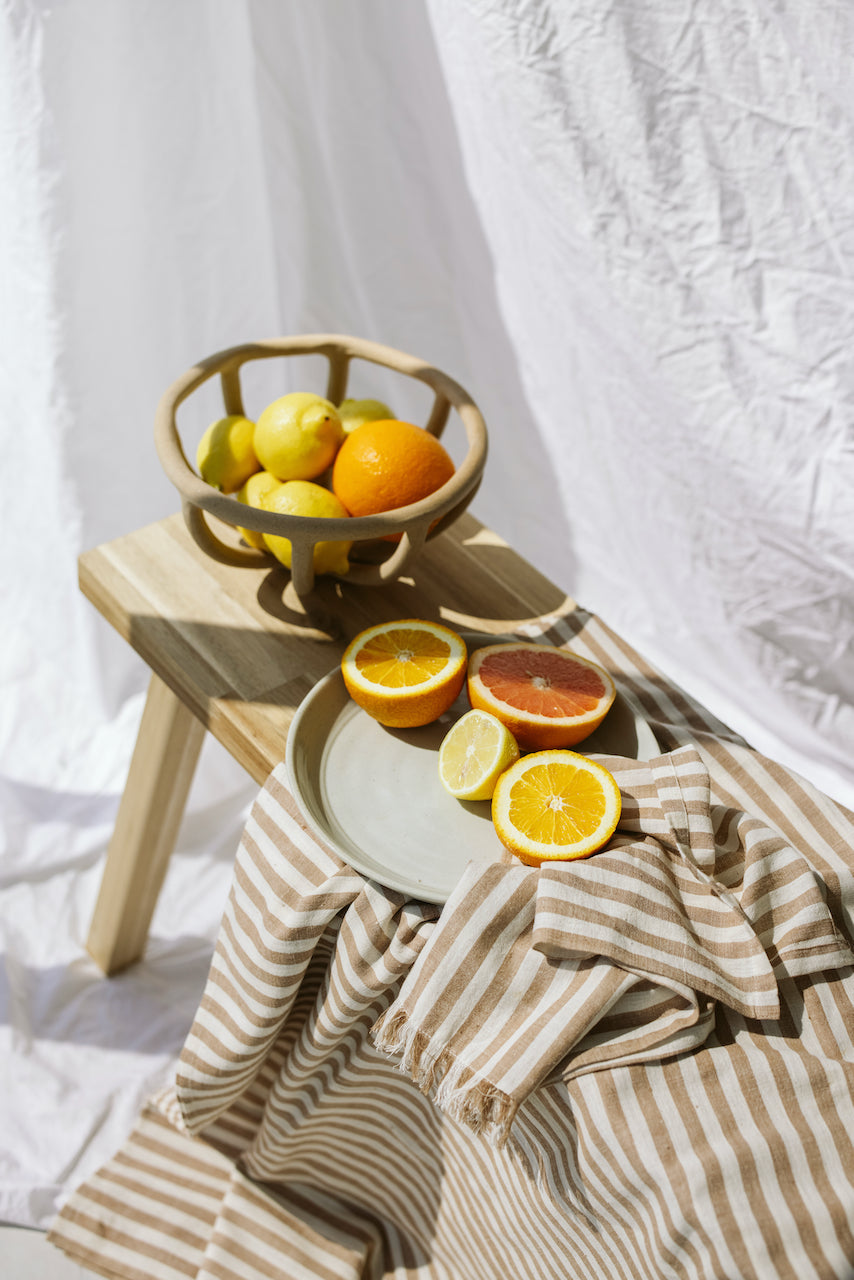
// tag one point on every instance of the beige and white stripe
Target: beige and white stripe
(662, 1039)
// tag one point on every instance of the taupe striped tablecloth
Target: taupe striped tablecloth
(637, 1066)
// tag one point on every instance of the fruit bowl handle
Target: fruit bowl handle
(205, 538)
(374, 575)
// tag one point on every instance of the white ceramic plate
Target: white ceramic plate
(374, 796)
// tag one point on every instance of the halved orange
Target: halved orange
(555, 806)
(547, 697)
(405, 673)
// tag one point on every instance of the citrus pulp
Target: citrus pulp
(474, 752)
(405, 673)
(554, 806)
(547, 697)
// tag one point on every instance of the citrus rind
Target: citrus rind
(252, 494)
(297, 436)
(574, 801)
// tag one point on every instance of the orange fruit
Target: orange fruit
(405, 673)
(388, 464)
(547, 697)
(555, 806)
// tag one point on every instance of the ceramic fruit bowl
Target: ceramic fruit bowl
(415, 523)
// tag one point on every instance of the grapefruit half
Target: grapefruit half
(548, 698)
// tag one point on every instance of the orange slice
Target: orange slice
(555, 805)
(405, 673)
(547, 697)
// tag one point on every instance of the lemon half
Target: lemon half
(473, 755)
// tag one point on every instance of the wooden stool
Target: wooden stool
(232, 650)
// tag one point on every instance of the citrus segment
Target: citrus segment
(546, 697)
(474, 752)
(405, 673)
(555, 806)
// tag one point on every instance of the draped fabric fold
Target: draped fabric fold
(615, 1018)
(280, 911)
(617, 959)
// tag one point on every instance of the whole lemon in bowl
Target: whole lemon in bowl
(253, 493)
(297, 436)
(303, 498)
(226, 453)
(355, 412)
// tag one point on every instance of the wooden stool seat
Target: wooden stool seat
(232, 650)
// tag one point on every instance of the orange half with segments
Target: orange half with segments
(405, 673)
(555, 806)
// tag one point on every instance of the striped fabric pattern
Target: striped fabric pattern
(637, 1067)
(640, 935)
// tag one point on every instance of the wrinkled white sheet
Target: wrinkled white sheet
(627, 229)
(667, 190)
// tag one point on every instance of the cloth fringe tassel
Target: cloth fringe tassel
(453, 1086)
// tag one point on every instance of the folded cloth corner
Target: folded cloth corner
(618, 959)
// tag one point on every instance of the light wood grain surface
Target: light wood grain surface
(235, 645)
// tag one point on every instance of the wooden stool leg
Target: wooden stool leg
(150, 812)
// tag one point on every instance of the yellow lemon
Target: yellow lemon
(302, 498)
(354, 412)
(474, 753)
(253, 493)
(226, 453)
(298, 435)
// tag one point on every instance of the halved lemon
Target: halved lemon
(547, 697)
(474, 752)
(555, 805)
(405, 673)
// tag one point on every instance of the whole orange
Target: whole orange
(388, 464)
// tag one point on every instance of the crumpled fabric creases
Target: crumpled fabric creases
(618, 958)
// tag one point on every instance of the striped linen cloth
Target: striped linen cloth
(620, 959)
(634, 1067)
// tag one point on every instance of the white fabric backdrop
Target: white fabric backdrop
(627, 230)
